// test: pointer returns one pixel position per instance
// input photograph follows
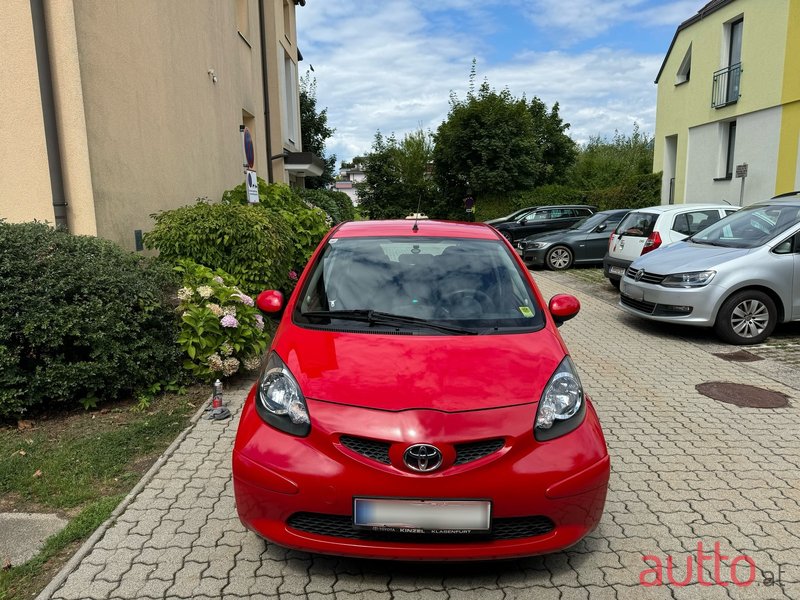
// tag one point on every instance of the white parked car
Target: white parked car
(645, 229)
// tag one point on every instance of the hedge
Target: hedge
(81, 320)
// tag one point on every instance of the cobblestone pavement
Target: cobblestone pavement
(685, 470)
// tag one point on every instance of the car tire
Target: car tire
(507, 235)
(559, 258)
(747, 317)
(615, 283)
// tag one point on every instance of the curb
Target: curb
(87, 546)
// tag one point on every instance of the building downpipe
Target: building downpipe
(265, 83)
(49, 114)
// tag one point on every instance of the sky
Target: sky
(392, 65)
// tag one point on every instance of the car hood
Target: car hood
(683, 257)
(495, 221)
(399, 372)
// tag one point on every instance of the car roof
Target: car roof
(422, 228)
(563, 206)
(670, 208)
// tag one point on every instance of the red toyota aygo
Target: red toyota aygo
(418, 403)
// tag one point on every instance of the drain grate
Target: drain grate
(740, 356)
(748, 396)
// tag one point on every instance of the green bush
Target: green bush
(221, 329)
(337, 205)
(253, 244)
(307, 224)
(81, 320)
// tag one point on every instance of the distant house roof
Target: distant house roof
(708, 9)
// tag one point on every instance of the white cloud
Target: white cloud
(391, 66)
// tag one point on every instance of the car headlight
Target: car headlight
(562, 404)
(538, 245)
(279, 401)
(689, 280)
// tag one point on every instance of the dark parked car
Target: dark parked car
(512, 217)
(544, 218)
(585, 242)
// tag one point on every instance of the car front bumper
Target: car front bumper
(534, 256)
(693, 306)
(298, 492)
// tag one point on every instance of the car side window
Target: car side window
(681, 224)
(701, 219)
(787, 246)
(584, 212)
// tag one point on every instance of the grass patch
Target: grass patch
(18, 582)
(80, 465)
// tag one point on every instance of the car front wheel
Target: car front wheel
(747, 317)
(559, 258)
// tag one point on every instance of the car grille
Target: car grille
(341, 526)
(474, 450)
(640, 305)
(373, 449)
(379, 451)
(646, 277)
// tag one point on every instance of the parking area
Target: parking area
(693, 481)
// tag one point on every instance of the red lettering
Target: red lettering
(658, 579)
(700, 558)
(718, 558)
(671, 579)
(751, 578)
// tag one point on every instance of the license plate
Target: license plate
(422, 516)
(616, 271)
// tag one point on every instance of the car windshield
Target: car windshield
(590, 222)
(750, 227)
(453, 282)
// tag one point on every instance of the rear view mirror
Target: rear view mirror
(563, 307)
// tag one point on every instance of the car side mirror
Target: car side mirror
(601, 227)
(270, 302)
(523, 222)
(563, 307)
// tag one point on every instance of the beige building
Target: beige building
(113, 109)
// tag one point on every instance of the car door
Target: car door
(535, 222)
(688, 223)
(595, 243)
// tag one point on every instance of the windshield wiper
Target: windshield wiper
(707, 243)
(375, 317)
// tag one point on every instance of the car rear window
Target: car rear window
(462, 282)
(637, 224)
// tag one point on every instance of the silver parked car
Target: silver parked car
(741, 275)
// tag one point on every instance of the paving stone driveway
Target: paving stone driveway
(686, 470)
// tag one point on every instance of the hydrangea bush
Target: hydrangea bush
(222, 332)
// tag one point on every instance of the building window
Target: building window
(243, 18)
(291, 119)
(727, 150)
(287, 20)
(685, 70)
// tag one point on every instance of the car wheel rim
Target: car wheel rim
(559, 259)
(750, 318)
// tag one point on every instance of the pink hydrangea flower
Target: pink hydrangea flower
(293, 275)
(229, 321)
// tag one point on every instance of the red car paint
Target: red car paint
(438, 389)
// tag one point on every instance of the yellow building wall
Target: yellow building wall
(25, 192)
(786, 179)
(680, 107)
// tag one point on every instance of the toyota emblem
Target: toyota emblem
(422, 458)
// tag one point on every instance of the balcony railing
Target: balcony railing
(726, 86)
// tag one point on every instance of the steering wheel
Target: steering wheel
(465, 299)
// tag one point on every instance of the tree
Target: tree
(492, 143)
(604, 163)
(315, 130)
(397, 178)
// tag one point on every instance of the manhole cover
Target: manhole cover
(748, 396)
(740, 356)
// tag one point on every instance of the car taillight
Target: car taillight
(611, 239)
(652, 242)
